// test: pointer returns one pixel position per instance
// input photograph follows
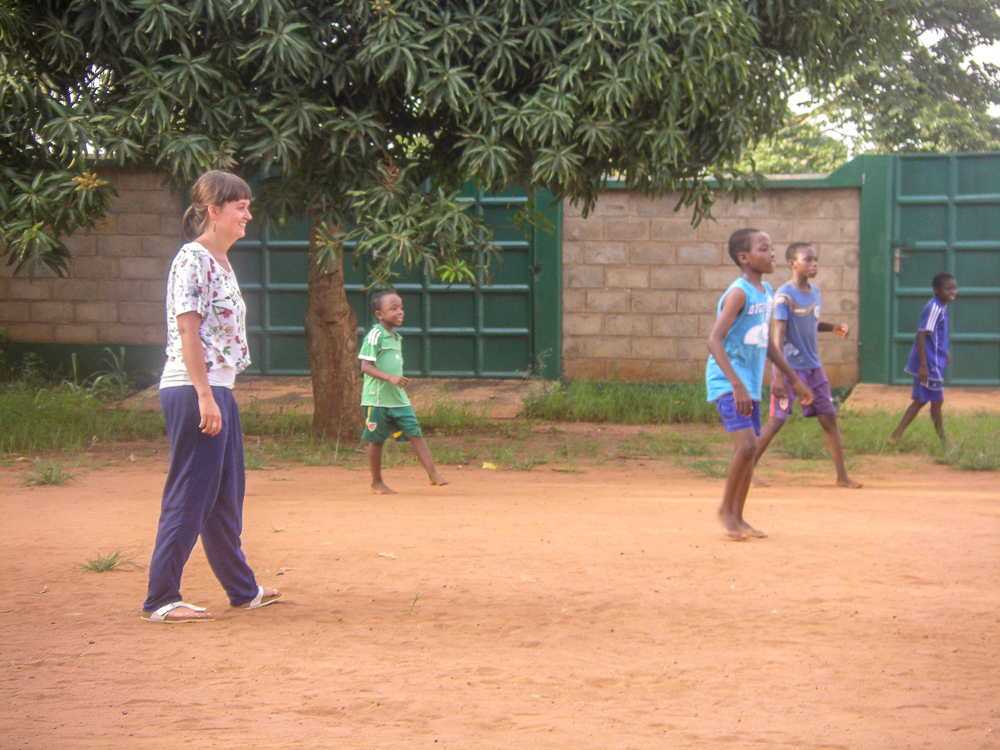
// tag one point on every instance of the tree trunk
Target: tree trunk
(332, 341)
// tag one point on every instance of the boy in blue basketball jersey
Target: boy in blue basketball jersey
(738, 347)
(930, 356)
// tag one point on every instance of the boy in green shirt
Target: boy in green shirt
(385, 403)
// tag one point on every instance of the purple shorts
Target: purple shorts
(817, 381)
(933, 391)
(733, 421)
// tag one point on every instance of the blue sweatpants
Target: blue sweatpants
(203, 495)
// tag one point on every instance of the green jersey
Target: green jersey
(386, 353)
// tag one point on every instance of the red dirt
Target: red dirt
(600, 609)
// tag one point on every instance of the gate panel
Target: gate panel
(497, 331)
(947, 218)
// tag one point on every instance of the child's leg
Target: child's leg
(734, 496)
(772, 427)
(832, 434)
(375, 464)
(424, 454)
(938, 420)
(908, 416)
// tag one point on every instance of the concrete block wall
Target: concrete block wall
(116, 287)
(641, 285)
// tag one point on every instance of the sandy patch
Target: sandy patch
(600, 609)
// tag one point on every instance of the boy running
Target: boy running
(738, 348)
(797, 305)
(930, 356)
(385, 403)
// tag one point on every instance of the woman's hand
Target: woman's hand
(211, 417)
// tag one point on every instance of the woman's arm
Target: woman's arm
(194, 360)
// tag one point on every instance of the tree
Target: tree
(933, 96)
(372, 113)
(800, 147)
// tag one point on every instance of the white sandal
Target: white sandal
(160, 615)
(259, 601)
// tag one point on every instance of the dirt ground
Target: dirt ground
(968, 400)
(595, 609)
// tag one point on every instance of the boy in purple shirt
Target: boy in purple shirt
(930, 356)
(797, 305)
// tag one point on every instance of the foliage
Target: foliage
(345, 109)
(933, 97)
(800, 147)
(46, 190)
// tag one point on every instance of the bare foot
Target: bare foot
(750, 531)
(891, 440)
(850, 483)
(731, 525)
(437, 479)
(380, 488)
(757, 481)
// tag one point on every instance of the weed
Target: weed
(48, 472)
(451, 454)
(449, 417)
(411, 610)
(255, 459)
(710, 467)
(526, 463)
(103, 563)
(115, 381)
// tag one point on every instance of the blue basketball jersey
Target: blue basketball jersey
(746, 342)
(934, 320)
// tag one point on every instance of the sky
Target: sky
(989, 54)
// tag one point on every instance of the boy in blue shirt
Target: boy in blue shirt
(386, 405)
(738, 348)
(930, 356)
(797, 305)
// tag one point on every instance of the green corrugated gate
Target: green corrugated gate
(921, 214)
(508, 329)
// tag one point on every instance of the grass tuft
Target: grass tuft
(450, 417)
(48, 473)
(622, 403)
(103, 563)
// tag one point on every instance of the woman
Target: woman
(206, 348)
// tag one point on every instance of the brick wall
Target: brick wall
(641, 285)
(117, 279)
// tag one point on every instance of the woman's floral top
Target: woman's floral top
(198, 284)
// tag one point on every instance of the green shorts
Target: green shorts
(384, 422)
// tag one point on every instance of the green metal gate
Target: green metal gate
(947, 218)
(508, 329)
